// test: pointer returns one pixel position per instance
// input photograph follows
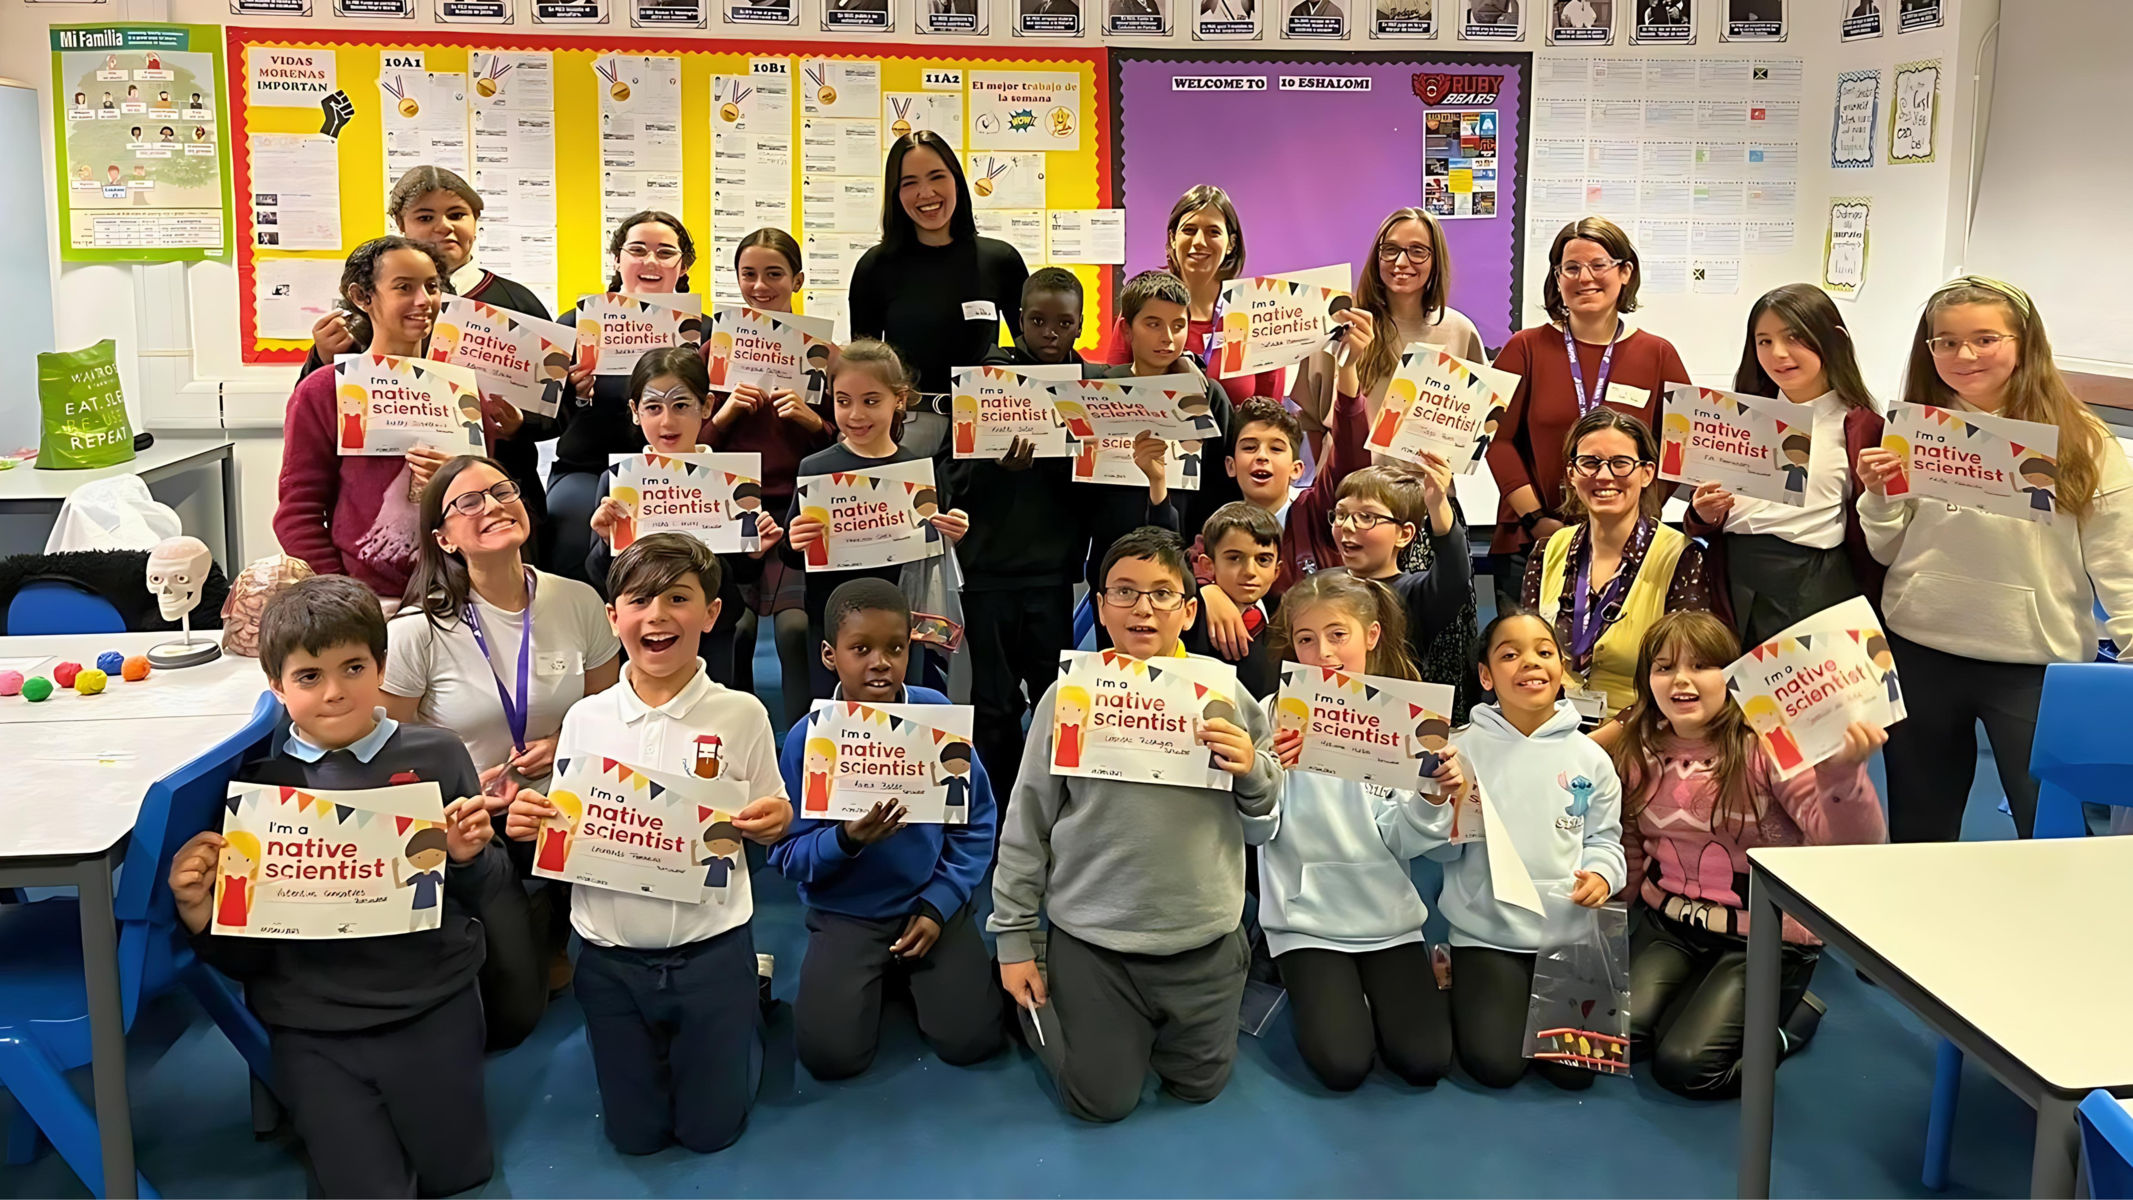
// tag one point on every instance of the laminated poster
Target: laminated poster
(1172, 407)
(1441, 404)
(517, 360)
(1801, 689)
(1914, 111)
(859, 755)
(305, 863)
(1974, 460)
(387, 405)
(626, 829)
(1224, 20)
(1752, 445)
(1856, 119)
(993, 406)
(1366, 728)
(1118, 717)
(715, 498)
(1491, 20)
(875, 518)
(773, 351)
(1270, 321)
(1581, 22)
(614, 330)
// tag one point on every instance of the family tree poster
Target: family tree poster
(306, 863)
(139, 132)
(1119, 717)
(1438, 403)
(1366, 728)
(1803, 688)
(621, 827)
(516, 359)
(387, 405)
(715, 498)
(874, 518)
(914, 755)
(1976, 460)
(1752, 445)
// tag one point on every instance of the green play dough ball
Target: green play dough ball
(37, 687)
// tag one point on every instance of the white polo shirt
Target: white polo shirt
(617, 724)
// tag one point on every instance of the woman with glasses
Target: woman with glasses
(1977, 604)
(1585, 359)
(496, 651)
(1602, 580)
(934, 289)
(652, 253)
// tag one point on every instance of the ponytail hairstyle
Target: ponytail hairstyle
(1704, 639)
(2036, 392)
(1812, 319)
(879, 360)
(420, 182)
(778, 242)
(440, 588)
(650, 216)
(682, 362)
(1383, 356)
(1365, 601)
(360, 274)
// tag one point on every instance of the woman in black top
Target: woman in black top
(652, 253)
(431, 204)
(933, 288)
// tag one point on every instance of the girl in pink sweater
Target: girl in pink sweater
(1698, 793)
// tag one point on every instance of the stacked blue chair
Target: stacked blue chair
(44, 1023)
(2080, 755)
(2107, 1146)
(56, 606)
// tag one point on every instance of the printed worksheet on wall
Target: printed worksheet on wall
(511, 100)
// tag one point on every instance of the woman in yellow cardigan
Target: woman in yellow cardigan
(1604, 579)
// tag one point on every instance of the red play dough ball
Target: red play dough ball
(136, 668)
(64, 673)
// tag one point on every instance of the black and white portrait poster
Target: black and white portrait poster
(1753, 21)
(871, 16)
(1663, 23)
(762, 12)
(1047, 18)
(1861, 19)
(1412, 19)
(1581, 22)
(1492, 20)
(1315, 19)
(1225, 20)
(1918, 14)
(1136, 18)
(950, 16)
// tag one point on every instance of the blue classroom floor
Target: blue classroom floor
(1851, 1116)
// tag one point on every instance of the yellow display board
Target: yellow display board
(1074, 179)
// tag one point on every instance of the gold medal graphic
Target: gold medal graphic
(900, 128)
(485, 87)
(983, 187)
(828, 94)
(729, 112)
(619, 90)
(408, 107)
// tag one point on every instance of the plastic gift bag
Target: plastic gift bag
(1579, 1011)
(85, 422)
(248, 597)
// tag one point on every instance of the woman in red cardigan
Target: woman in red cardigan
(1586, 357)
(1204, 246)
(349, 515)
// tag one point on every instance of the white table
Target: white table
(25, 489)
(2012, 950)
(81, 766)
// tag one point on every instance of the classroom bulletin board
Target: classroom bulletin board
(330, 84)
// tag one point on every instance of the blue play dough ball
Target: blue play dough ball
(110, 662)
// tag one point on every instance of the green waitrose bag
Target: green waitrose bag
(85, 423)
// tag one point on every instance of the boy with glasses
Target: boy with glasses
(1380, 511)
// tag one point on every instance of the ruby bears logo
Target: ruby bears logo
(1434, 87)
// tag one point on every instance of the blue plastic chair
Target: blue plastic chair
(2080, 755)
(56, 606)
(44, 1023)
(1084, 621)
(2107, 1146)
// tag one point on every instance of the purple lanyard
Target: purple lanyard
(515, 712)
(1577, 371)
(1588, 619)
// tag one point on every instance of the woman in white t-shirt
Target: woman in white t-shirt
(457, 657)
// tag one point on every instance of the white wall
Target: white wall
(176, 323)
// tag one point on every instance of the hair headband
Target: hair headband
(2012, 294)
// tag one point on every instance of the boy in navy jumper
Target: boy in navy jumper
(885, 898)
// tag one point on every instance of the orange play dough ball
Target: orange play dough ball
(136, 668)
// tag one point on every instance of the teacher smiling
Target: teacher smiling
(951, 288)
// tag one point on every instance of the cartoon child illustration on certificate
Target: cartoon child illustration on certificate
(1764, 717)
(1432, 736)
(1898, 484)
(2041, 475)
(966, 424)
(1796, 447)
(818, 553)
(1236, 326)
(821, 763)
(722, 844)
(1675, 448)
(1877, 651)
(721, 357)
(926, 503)
(955, 760)
(1076, 417)
(1291, 715)
(626, 520)
(557, 831)
(748, 504)
(1070, 718)
(1489, 425)
(238, 870)
(355, 409)
(426, 854)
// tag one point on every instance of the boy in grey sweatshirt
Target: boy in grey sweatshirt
(1143, 883)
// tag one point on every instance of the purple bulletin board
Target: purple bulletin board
(1313, 172)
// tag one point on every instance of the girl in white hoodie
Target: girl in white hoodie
(1978, 604)
(1341, 914)
(1554, 797)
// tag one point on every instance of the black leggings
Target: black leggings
(1932, 753)
(514, 972)
(1341, 998)
(1688, 1002)
(1490, 994)
(795, 651)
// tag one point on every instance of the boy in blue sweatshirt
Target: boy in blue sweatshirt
(882, 897)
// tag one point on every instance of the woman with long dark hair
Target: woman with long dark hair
(934, 289)
(1783, 562)
(496, 651)
(651, 253)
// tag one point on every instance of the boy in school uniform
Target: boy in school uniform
(1143, 884)
(1381, 510)
(884, 898)
(1240, 551)
(669, 988)
(377, 1041)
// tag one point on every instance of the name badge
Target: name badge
(561, 662)
(980, 310)
(1591, 705)
(1627, 396)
